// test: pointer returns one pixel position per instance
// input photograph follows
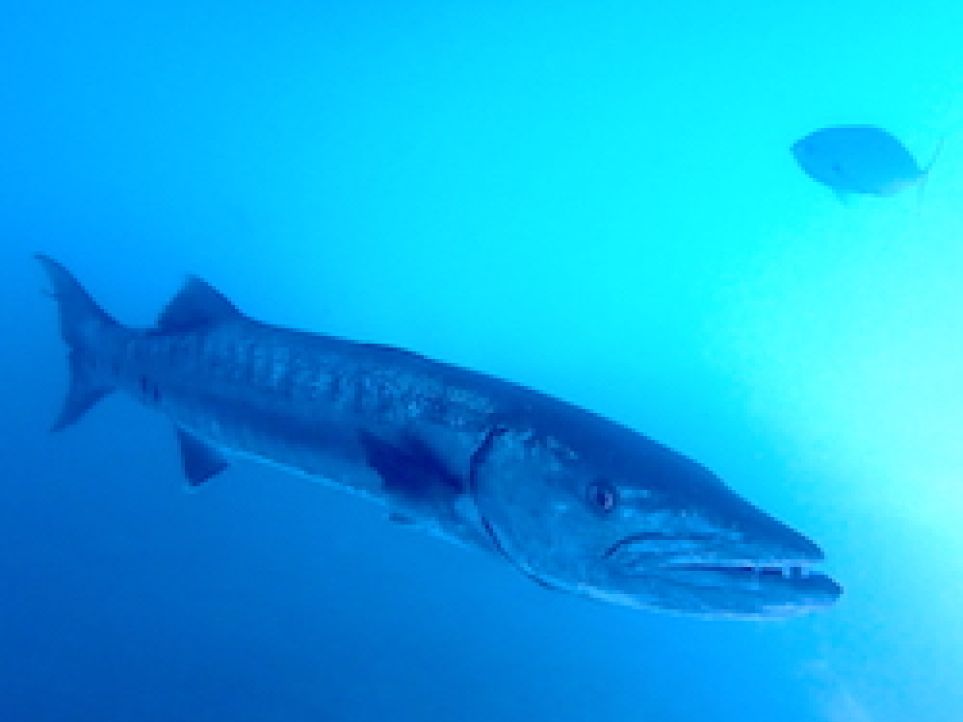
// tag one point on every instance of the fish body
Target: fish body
(858, 159)
(574, 501)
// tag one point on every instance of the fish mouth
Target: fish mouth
(790, 575)
(676, 575)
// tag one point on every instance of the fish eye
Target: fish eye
(601, 495)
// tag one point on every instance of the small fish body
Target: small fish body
(861, 159)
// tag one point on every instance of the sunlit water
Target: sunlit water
(593, 199)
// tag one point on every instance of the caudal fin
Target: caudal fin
(85, 327)
(924, 175)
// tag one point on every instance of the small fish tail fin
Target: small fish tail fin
(921, 191)
(85, 327)
(933, 158)
(925, 173)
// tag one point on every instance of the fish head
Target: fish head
(823, 161)
(642, 526)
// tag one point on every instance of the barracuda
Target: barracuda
(576, 502)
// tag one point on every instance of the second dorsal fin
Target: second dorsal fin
(197, 304)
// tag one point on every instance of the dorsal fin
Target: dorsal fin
(197, 304)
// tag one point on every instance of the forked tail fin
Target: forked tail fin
(936, 154)
(924, 174)
(84, 327)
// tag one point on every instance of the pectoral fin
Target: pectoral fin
(411, 473)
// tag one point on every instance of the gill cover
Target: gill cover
(524, 493)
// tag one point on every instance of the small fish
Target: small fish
(859, 159)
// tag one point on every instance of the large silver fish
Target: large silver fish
(574, 501)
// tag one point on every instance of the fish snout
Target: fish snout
(770, 540)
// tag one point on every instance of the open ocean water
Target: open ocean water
(597, 200)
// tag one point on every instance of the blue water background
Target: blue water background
(595, 199)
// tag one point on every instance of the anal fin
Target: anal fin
(201, 460)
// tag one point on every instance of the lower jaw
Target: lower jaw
(786, 570)
(802, 587)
